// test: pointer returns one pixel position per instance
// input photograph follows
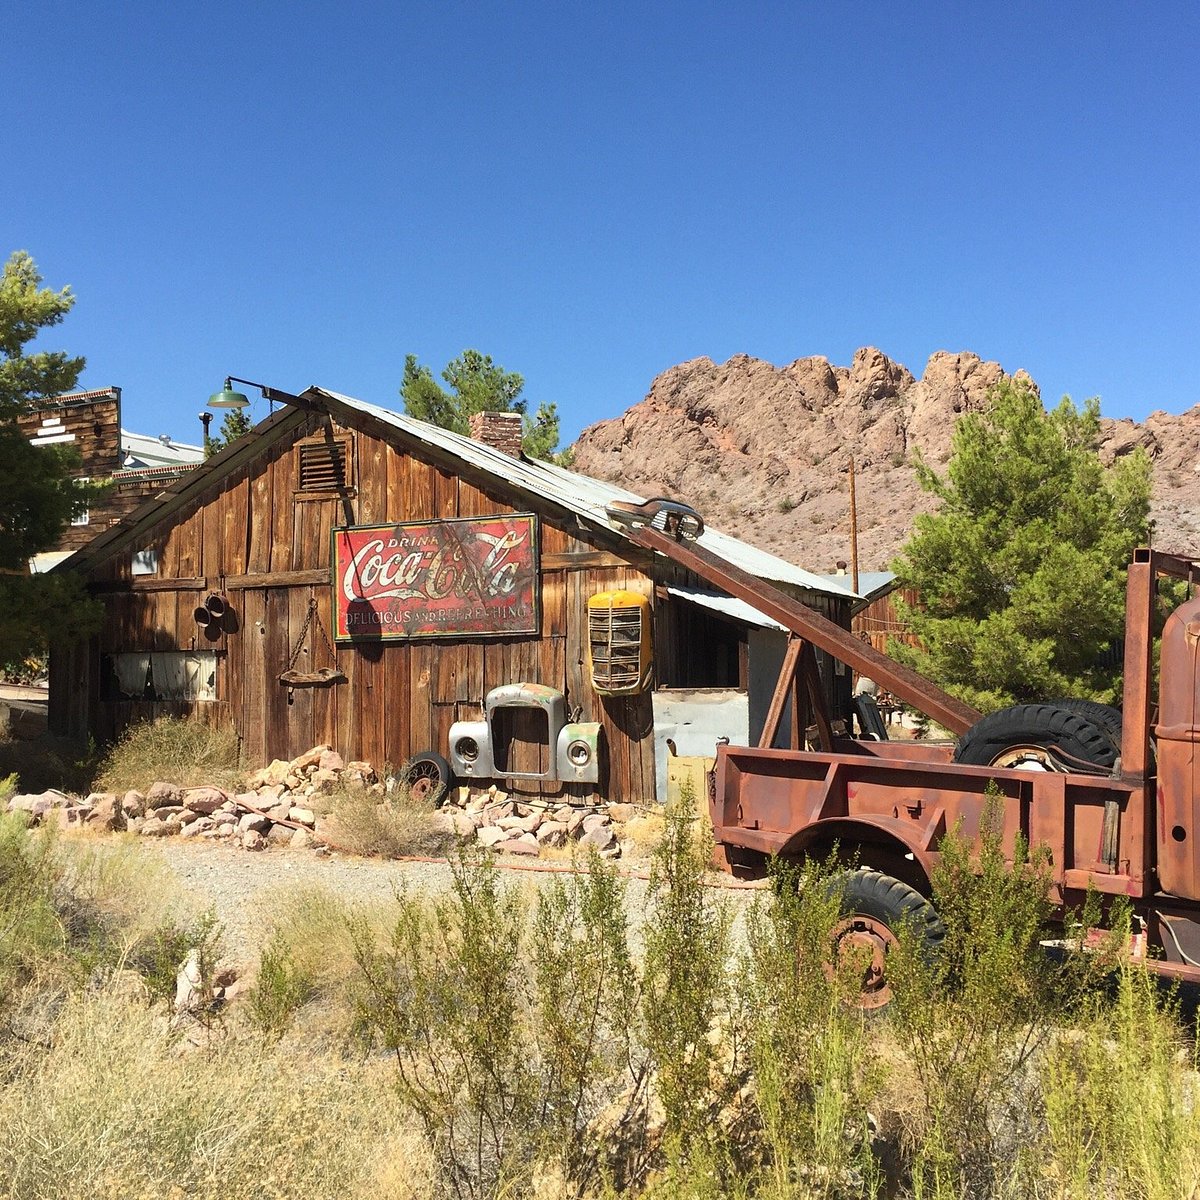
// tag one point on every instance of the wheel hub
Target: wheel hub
(860, 950)
(1027, 758)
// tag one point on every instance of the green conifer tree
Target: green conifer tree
(1021, 570)
(477, 384)
(38, 495)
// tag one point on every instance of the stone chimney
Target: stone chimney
(500, 430)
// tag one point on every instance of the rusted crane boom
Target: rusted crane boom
(798, 618)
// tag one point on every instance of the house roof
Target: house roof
(587, 497)
(141, 450)
(727, 606)
(578, 494)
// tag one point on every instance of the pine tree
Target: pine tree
(1021, 570)
(479, 385)
(38, 495)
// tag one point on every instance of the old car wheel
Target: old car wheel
(876, 909)
(1038, 737)
(427, 778)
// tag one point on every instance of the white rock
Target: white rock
(464, 824)
(526, 844)
(552, 833)
(189, 984)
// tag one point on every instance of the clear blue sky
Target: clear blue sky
(302, 193)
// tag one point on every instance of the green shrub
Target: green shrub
(1121, 1097)
(686, 994)
(973, 1021)
(279, 992)
(813, 1060)
(510, 1030)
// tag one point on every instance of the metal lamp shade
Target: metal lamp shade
(228, 398)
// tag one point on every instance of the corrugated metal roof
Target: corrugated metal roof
(145, 450)
(871, 584)
(588, 497)
(727, 606)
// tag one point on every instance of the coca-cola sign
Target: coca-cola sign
(457, 578)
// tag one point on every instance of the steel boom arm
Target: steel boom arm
(803, 621)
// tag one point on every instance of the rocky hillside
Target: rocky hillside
(763, 451)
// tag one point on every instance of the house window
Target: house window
(81, 518)
(145, 562)
(160, 675)
(324, 465)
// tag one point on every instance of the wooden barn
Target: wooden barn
(344, 574)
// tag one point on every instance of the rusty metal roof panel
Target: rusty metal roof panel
(587, 497)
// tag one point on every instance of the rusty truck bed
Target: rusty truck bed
(787, 802)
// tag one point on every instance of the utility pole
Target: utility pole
(853, 531)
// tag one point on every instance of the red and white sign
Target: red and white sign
(458, 578)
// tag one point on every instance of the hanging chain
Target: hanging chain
(308, 620)
(312, 609)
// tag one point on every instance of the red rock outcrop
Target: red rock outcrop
(763, 451)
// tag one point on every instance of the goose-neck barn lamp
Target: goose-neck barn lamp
(228, 398)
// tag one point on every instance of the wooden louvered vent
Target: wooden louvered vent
(324, 466)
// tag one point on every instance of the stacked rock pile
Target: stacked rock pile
(275, 809)
(496, 821)
(278, 808)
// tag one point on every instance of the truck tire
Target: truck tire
(1038, 737)
(1104, 715)
(876, 909)
(427, 777)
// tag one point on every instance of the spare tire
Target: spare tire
(1038, 737)
(1108, 718)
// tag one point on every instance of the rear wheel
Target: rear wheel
(427, 777)
(876, 909)
(1038, 737)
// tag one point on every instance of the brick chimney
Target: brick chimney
(500, 430)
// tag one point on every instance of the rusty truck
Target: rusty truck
(1113, 794)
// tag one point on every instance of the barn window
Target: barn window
(699, 648)
(161, 675)
(324, 465)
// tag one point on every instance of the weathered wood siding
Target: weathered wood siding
(256, 539)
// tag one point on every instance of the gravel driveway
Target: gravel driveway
(240, 886)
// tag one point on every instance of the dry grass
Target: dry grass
(117, 1108)
(644, 832)
(394, 826)
(187, 753)
(311, 927)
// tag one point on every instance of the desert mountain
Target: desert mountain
(762, 451)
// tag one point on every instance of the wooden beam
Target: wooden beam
(816, 697)
(146, 584)
(588, 560)
(265, 579)
(783, 688)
